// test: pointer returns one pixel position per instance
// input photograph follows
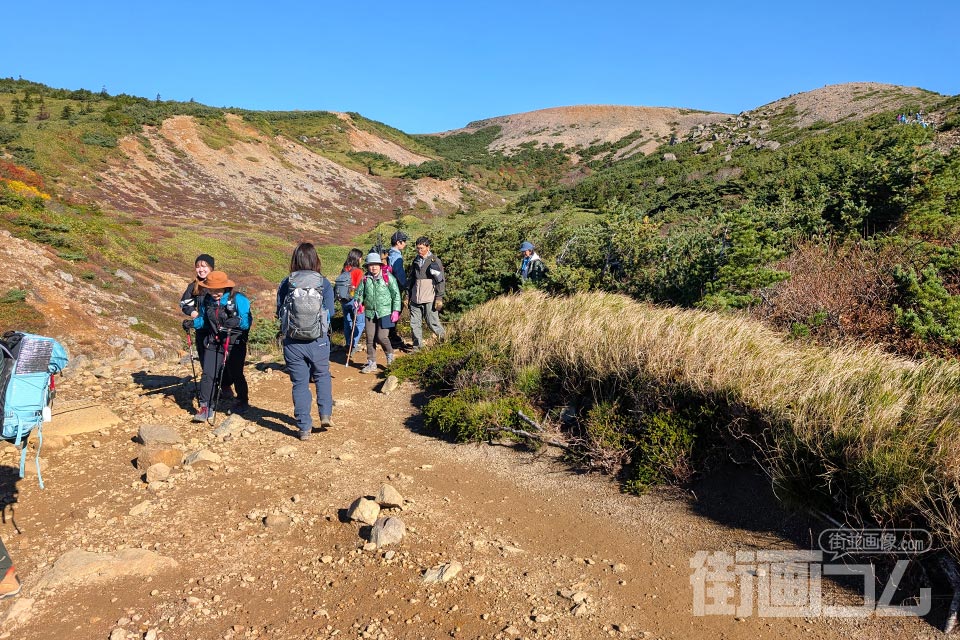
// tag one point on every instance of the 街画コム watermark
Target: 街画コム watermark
(789, 583)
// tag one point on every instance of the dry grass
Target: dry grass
(863, 422)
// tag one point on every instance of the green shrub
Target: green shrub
(13, 295)
(663, 451)
(469, 416)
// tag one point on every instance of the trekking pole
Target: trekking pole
(212, 420)
(193, 366)
(353, 328)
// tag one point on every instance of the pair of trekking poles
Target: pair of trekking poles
(218, 377)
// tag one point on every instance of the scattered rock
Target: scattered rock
(140, 508)
(85, 567)
(389, 385)
(201, 457)
(129, 352)
(389, 498)
(387, 531)
(669, 157)
(157, 472)
(620, 568)
(147, 353)
(152, 455)
(123, 275)
(277, 521)
(363, 510)
(158, 434)
(286, 450)
(70, 421)
(442, 573)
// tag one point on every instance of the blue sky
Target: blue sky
(434, 66)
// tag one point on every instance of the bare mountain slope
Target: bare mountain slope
(171, 171)
(851, 100)
(586, 125)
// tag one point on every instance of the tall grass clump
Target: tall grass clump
(849, 430)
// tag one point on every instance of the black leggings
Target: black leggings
(212, 363)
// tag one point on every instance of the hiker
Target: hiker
(307, 358)
(202, 266)
(398, 242)
(531, 268)
(10, 584)
(378, 298)
(425, 288)
(224, 318)
(345, 286)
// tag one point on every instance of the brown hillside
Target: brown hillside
(586, 125)
(851, 100)
(169, 171)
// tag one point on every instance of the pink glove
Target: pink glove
(394, 317)
(359, 308)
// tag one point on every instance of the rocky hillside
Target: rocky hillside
(588, 125)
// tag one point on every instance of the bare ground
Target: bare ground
(523, 526)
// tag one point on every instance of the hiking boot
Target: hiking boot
(240, 408)
(304, 435)
(203, 415)
(10, 585)
(370, 368)
(227, 394)
(326, 422)
(389, 359)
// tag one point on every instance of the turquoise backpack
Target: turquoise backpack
(29, 363)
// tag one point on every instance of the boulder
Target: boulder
(387, 531)
(389, 498)
(69, 420)
(389, 385)
(158, 434)
(155, 454)
(363, 510)
(85, 567)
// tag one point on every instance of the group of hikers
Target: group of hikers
(371, 299)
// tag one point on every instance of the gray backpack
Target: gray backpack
(302, 315)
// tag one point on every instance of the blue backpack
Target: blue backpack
(26, 387)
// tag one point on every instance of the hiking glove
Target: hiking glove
(232, 323)
(188, 324)
(394, 317)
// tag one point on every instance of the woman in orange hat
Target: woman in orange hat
(226, 318)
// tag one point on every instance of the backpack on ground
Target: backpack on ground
(302, 315)
(27, 388)
(342, 286)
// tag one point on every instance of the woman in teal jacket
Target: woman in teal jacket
(378, 299)
(224, 315)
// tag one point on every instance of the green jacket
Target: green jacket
(378, 298)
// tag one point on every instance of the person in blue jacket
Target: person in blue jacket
(224, 315)
(308, 360)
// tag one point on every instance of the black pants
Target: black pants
(213, 362)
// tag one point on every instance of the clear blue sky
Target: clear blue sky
(434, 66)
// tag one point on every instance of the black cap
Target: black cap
(205, 257)
(399, 236)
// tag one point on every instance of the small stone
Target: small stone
(140, 508)
(363, 510)
(202, 457)
(579, 610)
(118, 634)
(326, 559)
(389, 385)
(277, 521)
(95, 444)
(286, 450)
(620, 568)
(388, 497)
(158, 434)
(387, 531)
(345, 457)
(442, 573)
(157, 473)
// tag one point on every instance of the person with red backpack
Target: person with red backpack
(378, 299)
(345, 285)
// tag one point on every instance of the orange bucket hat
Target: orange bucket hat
(218, 280)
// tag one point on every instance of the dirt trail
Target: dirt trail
(522, 525)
